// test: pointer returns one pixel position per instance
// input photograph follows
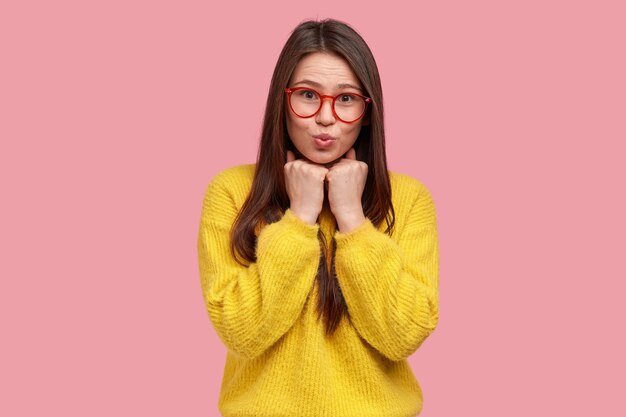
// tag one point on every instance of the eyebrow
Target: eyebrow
(340, 85)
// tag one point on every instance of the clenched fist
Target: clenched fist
(304, 181)
(346, 182)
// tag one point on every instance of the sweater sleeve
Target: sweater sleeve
(391, 288)
(252, 306)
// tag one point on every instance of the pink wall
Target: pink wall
(115, 115)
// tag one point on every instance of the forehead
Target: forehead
(329, 70)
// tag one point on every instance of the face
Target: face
(328, 74)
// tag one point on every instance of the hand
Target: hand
(346, 182)
(304, 181)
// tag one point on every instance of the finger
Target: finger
(290, 156)
(351, 154)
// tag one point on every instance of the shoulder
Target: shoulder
(411, 197)
(233, 183)
(234, 175)
(407, 187)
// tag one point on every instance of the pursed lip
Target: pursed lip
(324, 136)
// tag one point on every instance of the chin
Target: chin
(323, 160)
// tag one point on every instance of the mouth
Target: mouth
(324, 141)
(324, 137)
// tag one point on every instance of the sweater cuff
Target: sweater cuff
(364, 229)
(300, 225)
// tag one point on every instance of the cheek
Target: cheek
(352, 132)
(297, 135)
(290, 126)
(296, 126)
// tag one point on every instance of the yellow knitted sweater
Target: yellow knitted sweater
(279, 361)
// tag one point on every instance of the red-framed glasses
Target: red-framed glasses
(305, 102)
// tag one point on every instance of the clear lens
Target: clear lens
(306, 103)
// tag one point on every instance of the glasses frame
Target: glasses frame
(322, 97)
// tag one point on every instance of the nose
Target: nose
(325, 115)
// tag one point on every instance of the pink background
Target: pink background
(114, 116)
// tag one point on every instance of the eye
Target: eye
(307, 94)
(347, 98)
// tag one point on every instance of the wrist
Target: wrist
(305, 217)
(350, 222)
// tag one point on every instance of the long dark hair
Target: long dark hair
(268, 198)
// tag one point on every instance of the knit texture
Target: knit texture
(279, 360)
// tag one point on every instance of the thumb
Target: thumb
(351, 154)
(290, 156)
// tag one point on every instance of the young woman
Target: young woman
(319, 267)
